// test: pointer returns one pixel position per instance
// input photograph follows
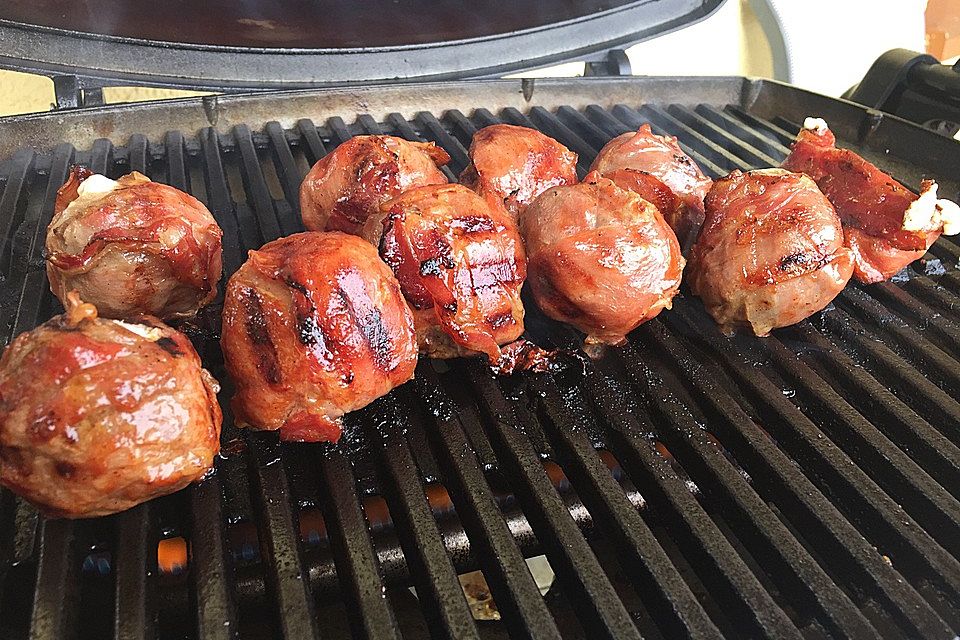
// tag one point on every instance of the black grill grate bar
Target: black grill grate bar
(219, 203)
(314, 149)
(256, 185)
(18, 178)
(939, 408)
(770, 541)
(779, 480)
(926, 356)
(672, 605)
(435, 131)
(288, 172)
(722, 155)
(777, 135)
(945, 330)
(212, 597)
(177, 174)
(720, 136)
(932, 292)
(892, 416)
(368, 611)
(834, 472)
(740, 131)
(713, 163)
(55, 595)
(887, 465)
(135, 560)
(279, 542)
(514, 590)
(438, 589)
(591, 594)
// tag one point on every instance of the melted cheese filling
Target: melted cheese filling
(817, 125)
(929, 213)
(148, 333)
(91, 190)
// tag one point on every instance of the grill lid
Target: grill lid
(264, 44)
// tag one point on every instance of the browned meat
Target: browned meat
(510, 166)
(886, 226)
(99, 415)
(132, 246)
(601, 258)
(460, 264)
(663, 161)
(770, 252)
(314, 326)
(348, 185)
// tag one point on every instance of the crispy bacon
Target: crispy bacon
(460, 264)
(141, 247)
(348, 185)
(510, 166)
(98, 415)
(601, 258)
(314, 326)
(661, 159)
(886, 225)
(770, 252)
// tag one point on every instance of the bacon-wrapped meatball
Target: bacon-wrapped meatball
(132, 246)
(348, 185)
(600, 258)
(460, 264)
(510, 166)
(664, 166)
(314, 326)
(885, 225)
(99, 415)
(770, 252)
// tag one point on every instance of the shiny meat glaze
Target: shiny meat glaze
(510, 166)
(870, 203)
(601, 258)
(143, 248)
(770, 252)
(98, 415)
(461, 264)
(314, 326)
(348, 185)
(662, 158)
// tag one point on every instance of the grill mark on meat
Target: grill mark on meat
(170, 346)
(263, 347)
(473, 224)
(65, 469)
(435, 266)
(372, 329)
(501, 319)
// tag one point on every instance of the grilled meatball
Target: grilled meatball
(99, 415)
(770, 252)
(510, 166)
(314, 326)
(132, 246)
(665, 165)
(460, 264)
(348, 185)
(885, 225)
(600, 258)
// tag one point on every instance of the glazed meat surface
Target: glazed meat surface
(314, 326)
(460, 263)
(770, 252)
(661, 158)
(600, 258)
(510, 166)
(132, 246)
(99, 415)
(348, 185)
(886, 225)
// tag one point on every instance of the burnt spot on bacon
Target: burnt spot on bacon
(256, 327)
(170, 346)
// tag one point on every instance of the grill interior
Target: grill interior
(686, 485)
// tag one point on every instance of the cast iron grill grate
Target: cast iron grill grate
(686, 485)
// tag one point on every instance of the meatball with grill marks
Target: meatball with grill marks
(770, 253)
(460, 264)
(510, 166)
(314, 326)
(99, 415)
(348, 185)
(132, 246)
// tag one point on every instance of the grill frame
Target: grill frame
(830, 489)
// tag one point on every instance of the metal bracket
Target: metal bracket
(616, 63)
(71, 94)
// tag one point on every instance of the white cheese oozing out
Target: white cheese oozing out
(149, 333)
(922, 214)
(949, 216)
(91, 190)
(817, 125)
